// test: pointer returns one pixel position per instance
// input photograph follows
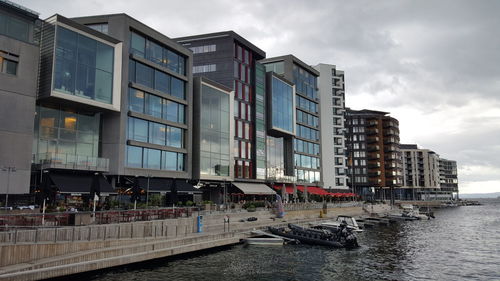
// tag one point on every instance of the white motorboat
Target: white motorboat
(350, 221)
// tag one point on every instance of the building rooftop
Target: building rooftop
(222, 34)
(21, 9)
(294, 59)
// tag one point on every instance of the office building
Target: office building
(448, 177)
(306, 145)
(114, 97)
(19, 57)
(332, 95)
(374, 158)
(420, 173)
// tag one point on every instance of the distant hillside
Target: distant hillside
(480, 195)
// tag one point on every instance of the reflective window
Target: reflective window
(15, 27)
(215, 137)
(177, 89)
(83, 66)
(152, 158)
(136, 100)
(277, 67)
(138, 44)
(138, 129)
(101, 27)
(162, 82)
(157, 133)
(155, 79)
(282, 105)
(134, 156)
(174, 137)
(153, 106)
(144, 75)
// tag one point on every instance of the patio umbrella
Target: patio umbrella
(95, 186)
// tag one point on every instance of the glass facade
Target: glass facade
(277, 67)
(282, 105)
(155, 133)
(145, 103)
(150, 50)
(142, 157)
(305, 82)
(83, 66)
(155, 79)
(66, 133)
(215, 132)
(260, 125)
(275, 158)
(15, 27)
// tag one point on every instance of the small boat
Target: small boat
(266, 241)
(341, 239)
(335, 225)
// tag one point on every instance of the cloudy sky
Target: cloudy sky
(435, 65)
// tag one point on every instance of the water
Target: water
(460, 244)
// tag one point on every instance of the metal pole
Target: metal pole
(147, 192)
(43, 211)
(8, 186)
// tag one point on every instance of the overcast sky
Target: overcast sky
(435, 65)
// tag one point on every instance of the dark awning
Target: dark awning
(78, 183)
(163, 185)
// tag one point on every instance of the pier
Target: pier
(39, 253)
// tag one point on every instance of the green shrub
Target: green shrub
(189, 203)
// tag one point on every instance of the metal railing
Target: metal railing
(71, 161)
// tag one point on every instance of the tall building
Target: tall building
(332, 95)
(420, 172)
(229, 59)
(374, 158)
(448, 177)
(19, 57)
(306, 146)
(114, 97)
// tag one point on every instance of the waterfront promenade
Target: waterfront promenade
(58, 251)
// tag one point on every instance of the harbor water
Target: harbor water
(462, 243)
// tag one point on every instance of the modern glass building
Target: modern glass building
(307, 139)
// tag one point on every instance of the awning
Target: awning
(163, 185)
(78, 183)
(254, 188)
(288, 189)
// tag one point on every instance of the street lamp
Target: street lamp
(8, 170)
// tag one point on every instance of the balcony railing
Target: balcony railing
(72, 161)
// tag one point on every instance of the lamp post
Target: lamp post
(147, 192)
(8, 170)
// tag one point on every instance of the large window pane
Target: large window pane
(144, 75)
(138, 44)
(169, 160)
(153, 106)
(162, 82)
(154, 52)
(138, 129)
(177, 89)
(134, 156)
(180, 162)
(157, 133)
(104, 57)
(136, 100)
(173, 61)
(152, 158)
(174, 137)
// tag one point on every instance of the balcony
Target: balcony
(372, 132)
(372, 123)
(374, 174)
(391, 132)
(391, 124)
(391, 141)
(72, 162)
(373, 139)
(373, 156)
(373, 148)
(391, 156)
(391, 148)
(373, 164)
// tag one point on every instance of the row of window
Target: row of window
(243, 169)
(242, 72)
(307, 176)
(358, 138)
(242, 91)
(141, 157)
(305, 82)
(101, 27)
(204, 49)
(15, 27)
(204, 68)
(306, 147)
(242, 54)
(155, 133)
(156, 53)
(359, 162)
(243, 130)
(307, 118)
(306, 104)
(242, 149)
(242, 110)
(307, 161)
(282, 105)
(155, 79)
(307, 133)
(155, 106)
(359, 154)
